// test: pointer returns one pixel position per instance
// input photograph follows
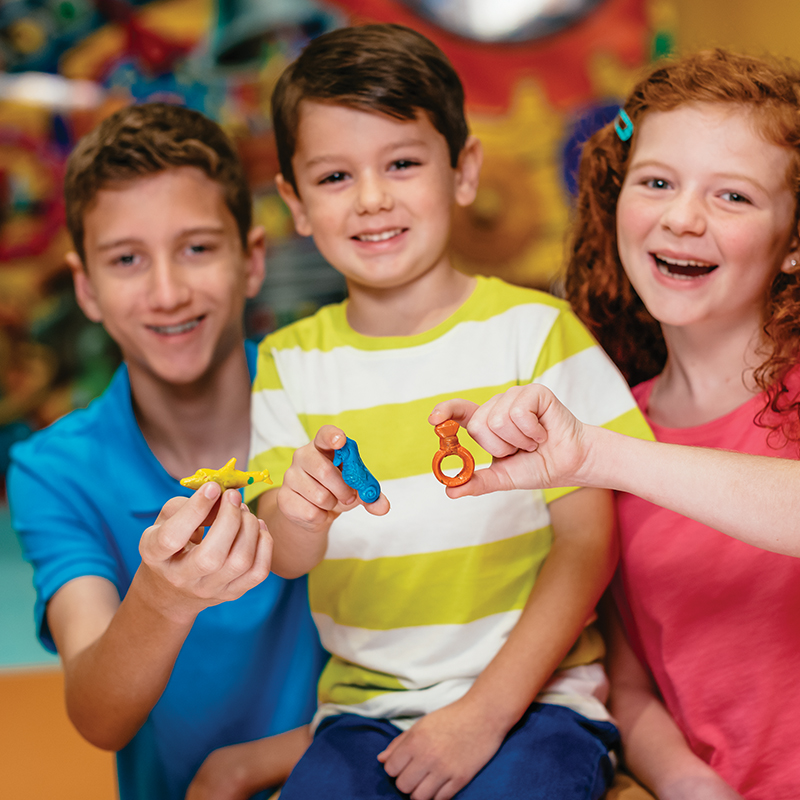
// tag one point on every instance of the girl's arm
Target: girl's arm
(655, 749)
(538, 443)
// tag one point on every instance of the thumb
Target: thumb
(459, 410)
(176, 524)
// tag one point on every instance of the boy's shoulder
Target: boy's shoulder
(79, 435)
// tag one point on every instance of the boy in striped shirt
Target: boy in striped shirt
(463, 655)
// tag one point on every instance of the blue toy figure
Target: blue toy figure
(354, 472)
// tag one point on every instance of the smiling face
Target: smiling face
(376, 193)
(166, 273)
(705, 217)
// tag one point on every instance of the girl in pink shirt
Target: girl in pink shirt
(685, 266)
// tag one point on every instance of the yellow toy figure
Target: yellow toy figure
(228, 477)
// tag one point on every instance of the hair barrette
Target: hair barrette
(623, 125)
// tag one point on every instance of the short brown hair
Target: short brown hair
(388, 69)
(596, 283)
(145, 139)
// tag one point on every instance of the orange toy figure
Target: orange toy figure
(228, 477)
(449, 446)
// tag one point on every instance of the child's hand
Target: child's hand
(535, 441)
(313, 492)
(442, 752)
(185, 572)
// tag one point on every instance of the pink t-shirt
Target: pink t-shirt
(717, 622)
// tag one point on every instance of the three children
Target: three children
(463, 655)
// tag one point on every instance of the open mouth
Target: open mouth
(682, 269)
(383, 236)
(174, 330)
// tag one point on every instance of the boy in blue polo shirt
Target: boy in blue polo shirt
(172, 647)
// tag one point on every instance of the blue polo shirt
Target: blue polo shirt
(81, 492)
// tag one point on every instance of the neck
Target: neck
(410, 309)
(709, 372)
(202, 424)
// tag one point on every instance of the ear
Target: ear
(296, 205)
(255, 260)
(84, 288)
(791, 262)
(468, 171)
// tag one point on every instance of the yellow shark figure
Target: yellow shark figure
(228, 477)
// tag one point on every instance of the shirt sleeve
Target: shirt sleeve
(60, 530)
(276, 431)
(587, 382)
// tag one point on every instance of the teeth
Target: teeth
(379, 237)
(679, 262)
(171, 330)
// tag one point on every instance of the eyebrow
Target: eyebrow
(333, 157)
(131, 240)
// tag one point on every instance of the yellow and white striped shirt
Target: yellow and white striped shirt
(413, 605)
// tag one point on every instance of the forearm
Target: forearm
(655, 749)
(297, 548)
(566, 591)
(242, 770)
(116, 670)
(752, 498)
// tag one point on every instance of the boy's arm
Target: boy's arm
(444, 750)
(655, 749)
(239, 771)
(300, 511)
(537, 443)
(118, 656)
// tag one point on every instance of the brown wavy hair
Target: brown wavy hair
(382, 68)
(142, 140)
(596, 284)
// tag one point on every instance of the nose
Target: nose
(168, 287)
(373, 194)
(685, 214)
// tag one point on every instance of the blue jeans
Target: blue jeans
(552, 753)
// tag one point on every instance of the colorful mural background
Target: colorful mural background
(534, 91)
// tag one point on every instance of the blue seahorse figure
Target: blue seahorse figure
(355, 474)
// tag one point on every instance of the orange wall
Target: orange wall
(755, 27)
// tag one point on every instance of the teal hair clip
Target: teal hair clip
(623, 125)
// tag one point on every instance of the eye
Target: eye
(334, 177)
(734, 197)
(404, 163)
(125, 260)
(199, 249)
(657, 183)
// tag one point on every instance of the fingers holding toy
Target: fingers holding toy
(187, 574)
(327, 477)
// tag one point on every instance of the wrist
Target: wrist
(490, 714)
(162, 602)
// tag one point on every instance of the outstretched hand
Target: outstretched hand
(313, 492)
(188, 572)
(534, 441)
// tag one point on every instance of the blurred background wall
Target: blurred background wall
(540, 75)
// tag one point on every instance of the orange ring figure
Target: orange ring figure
(449, 446)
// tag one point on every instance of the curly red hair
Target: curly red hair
(596, 284)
